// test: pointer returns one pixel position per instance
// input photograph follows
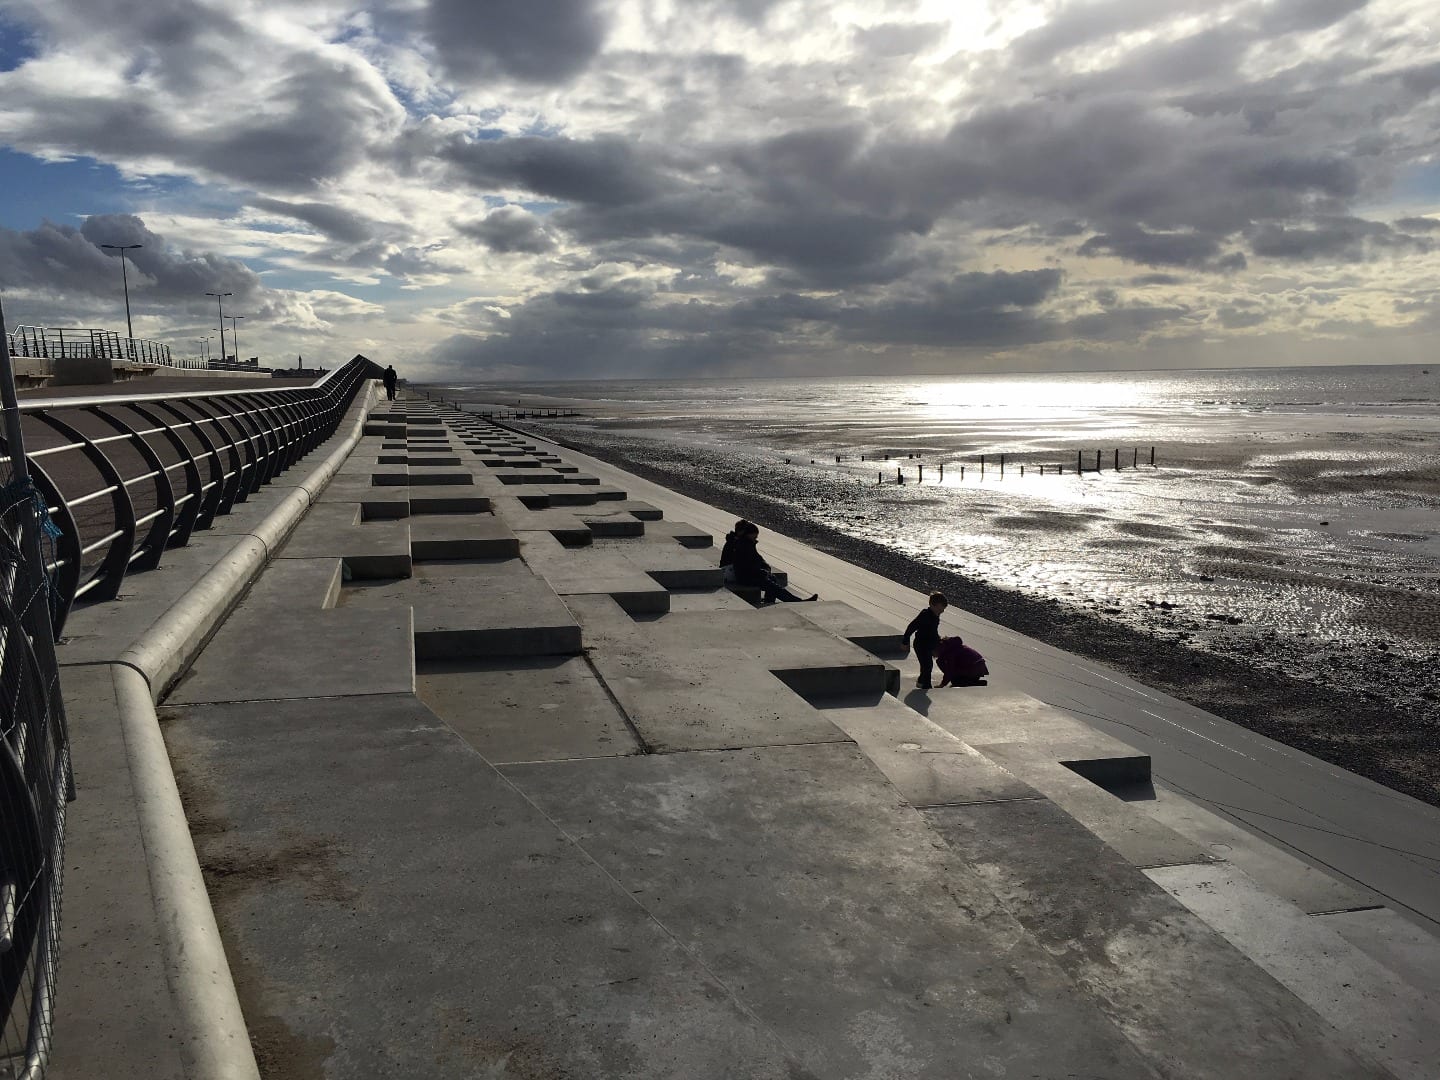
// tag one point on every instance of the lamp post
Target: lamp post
(125, 280)
(220, 303)
(235, 334)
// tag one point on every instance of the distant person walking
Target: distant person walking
(751, 569)
(925, 629)
(959, 664)
(389, 379)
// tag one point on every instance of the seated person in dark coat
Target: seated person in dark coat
(751, 569)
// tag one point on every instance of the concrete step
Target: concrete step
(461, 536)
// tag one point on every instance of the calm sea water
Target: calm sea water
(1290, 506)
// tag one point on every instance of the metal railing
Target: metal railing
(60, 343)
(113, 482)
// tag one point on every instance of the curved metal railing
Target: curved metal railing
(125, 478)
(113, 482)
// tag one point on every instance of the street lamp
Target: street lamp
(220, 303)
(235, 334)
(125, 280)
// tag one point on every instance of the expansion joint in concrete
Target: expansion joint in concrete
(640, 740)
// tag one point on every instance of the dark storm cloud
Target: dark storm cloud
(68, 261)
(1418, 224)
(539, 41)
(1339, 239)
(510, 229)
(334, 222)
(605, 171)
(1153, 249)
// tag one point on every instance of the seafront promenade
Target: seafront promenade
(488, 774)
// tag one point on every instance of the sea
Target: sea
(1287, 512)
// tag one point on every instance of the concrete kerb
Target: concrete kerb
(216, 1041)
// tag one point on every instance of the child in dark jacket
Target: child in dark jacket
(959, 663)
(925, 629)
(751, 569)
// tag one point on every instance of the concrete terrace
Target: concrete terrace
(491, 776)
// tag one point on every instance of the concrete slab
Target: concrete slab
(844, 621)
(1168, 980)
(550, 708)
(642, 510)
(1397, 943)
(336, 822)
(376, 504)
(1378, 1011)
(990, 715)
(438, 476)
(792, 874)
(426, 460)
(544, 496)
(491, 608)
(669, 564)
(928, 765)
(1140, 839)
(593, 571)
(462, 536)
(707, 680)
(371, 549)
(279, 650)
(511, 477)
(450, 502)
(681, 533)
(706, 600)
(1309, 889)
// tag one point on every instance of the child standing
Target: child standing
(925, 629)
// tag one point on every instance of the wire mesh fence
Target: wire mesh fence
(34, 763)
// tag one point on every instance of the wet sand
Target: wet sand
(1365, 697)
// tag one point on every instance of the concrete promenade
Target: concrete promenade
(490, 776)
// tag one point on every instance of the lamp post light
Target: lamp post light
(220, 303)
(125, 280)
(235, 334)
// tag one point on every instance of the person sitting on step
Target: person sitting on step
(752, 570)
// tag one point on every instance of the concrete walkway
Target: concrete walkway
(489, 776)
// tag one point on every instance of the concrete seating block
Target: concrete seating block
(928, 765)
(548, 495)
(424, 502)
(991, 715)
(669, 564)
(390, 476)
(549, 708)
(461, 536)
(392, 458)
(369, 549)
(693, 680)
(375, 503)
(439, 476)
(580, 478)
(679, 532)
(478, 609)
(433, 459)
(511, 477)
(593, 571)
(602, 521)
(271, 648)
(869, 633)
(603, 493)
(384, 429)
(642, 510)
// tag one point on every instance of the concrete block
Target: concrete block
(426, 502)
(928, 765)
(479, 609)
(425, 460)
(390, 476)
(511, 477)
(550, 708)
(707, 680)
(680, 532)
(592, 571)
(273, 649)
(461, 536)
(669, 564)
(642, 510)
(370, 549)
(439, 476)
(844, 621)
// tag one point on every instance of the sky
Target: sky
(577, 189)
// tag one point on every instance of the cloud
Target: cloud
(542, 41)
(509, 230)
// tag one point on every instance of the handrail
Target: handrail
(124, 478)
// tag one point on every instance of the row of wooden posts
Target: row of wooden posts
(994, 461)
